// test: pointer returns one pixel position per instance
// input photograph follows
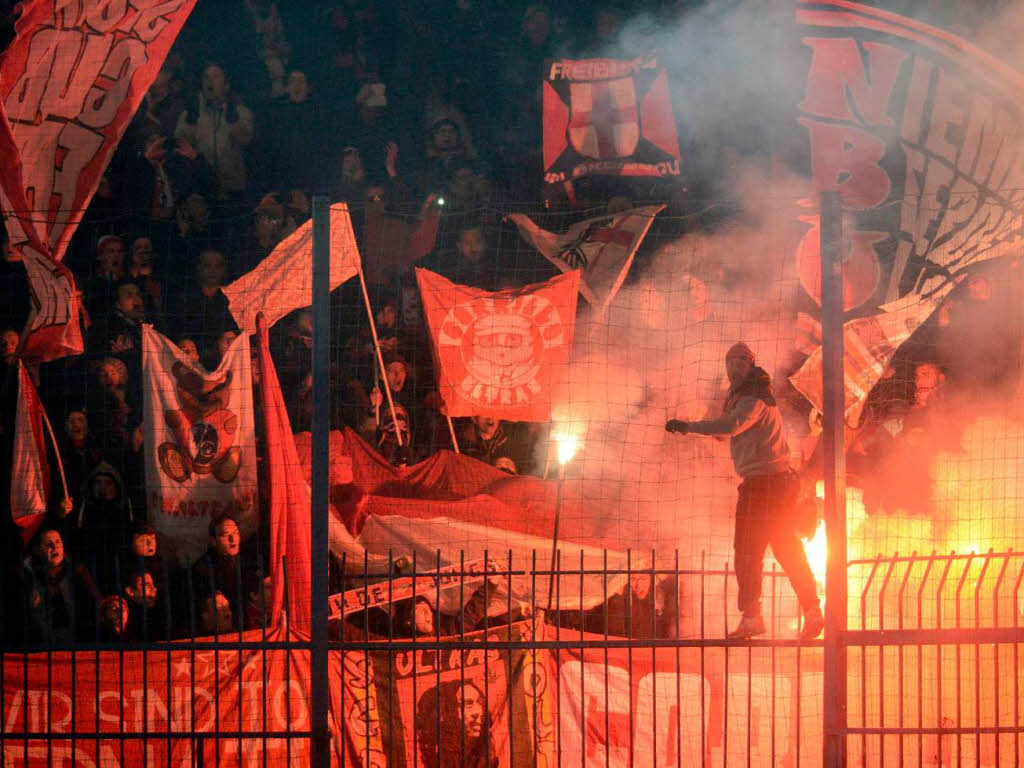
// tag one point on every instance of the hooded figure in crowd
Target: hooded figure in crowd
(102, 527)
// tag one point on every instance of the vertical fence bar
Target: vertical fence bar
(833, 407)
(320, 740)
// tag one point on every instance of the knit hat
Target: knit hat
(739, 349)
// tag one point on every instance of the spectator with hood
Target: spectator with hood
(102, 525)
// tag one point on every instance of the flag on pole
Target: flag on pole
(602, 248)
(70, 82)
(503, 353)
(30, 473)
(283, 282)
(869, 344)
(289, 500)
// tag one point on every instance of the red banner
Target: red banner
(70, 83)
(165, 694)
(506, 353)
(434, 706)
(610, 117)
(30, 472)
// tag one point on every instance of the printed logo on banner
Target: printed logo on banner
(603, 118)
(917, 131)
(500, 343)
(608, 116)
(455, 704)
(505, 352)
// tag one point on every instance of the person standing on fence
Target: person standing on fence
(766, 507)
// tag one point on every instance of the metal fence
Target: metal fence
(637, 672)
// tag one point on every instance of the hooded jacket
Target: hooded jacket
(752, 421)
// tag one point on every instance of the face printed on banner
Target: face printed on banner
(471, 705)
(227, 538)
(423, 618)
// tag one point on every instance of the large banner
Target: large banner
(69, 84)
(918, 132)
(608, 117)
(165, 694)
(459, 706)
(504, 353)
(200, 443)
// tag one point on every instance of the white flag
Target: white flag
(283, 282)
(603, 248)
(200, 443)
(29, 470)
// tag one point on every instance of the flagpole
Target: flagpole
(380, 357)
(56, 452)
(451, 431)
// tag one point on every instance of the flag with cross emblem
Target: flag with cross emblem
(601, 248)
(608, 117)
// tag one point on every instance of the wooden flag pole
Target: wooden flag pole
(451, 431)
(380, 357)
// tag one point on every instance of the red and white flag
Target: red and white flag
(603, 248)
(869, 344)
(505, 353)
(283, 282)
(69, 84)
(30, 473)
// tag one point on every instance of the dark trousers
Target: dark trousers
(765, 513)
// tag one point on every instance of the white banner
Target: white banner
(200, 444)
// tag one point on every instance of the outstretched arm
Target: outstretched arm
(743, 416)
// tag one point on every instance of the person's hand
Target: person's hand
(137, 439)
(391, 159)
(186, 150)
(155, 151)
(376, 398)
(67, 505)
(675, 425)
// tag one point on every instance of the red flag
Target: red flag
(505, 353)
(69, 84)
(290, 501)
(30, 473)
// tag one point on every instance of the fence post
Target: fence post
(834, 454)
(318, 689)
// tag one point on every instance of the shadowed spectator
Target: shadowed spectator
(219, 126)
(60, 598)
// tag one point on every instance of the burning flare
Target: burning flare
(567, 447)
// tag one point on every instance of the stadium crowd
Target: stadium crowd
(426, 118)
